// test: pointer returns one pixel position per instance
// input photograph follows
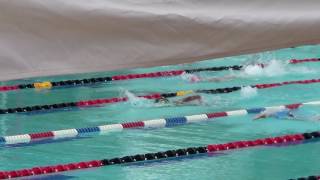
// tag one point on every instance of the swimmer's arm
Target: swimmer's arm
(191, 100)
(220, 79)
(260, 116)
(178, 102)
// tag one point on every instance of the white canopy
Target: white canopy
(45, 37)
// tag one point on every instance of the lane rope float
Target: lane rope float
(211, 148)
(147, 124)
(104, 101)
(99, 80)
(308, 178)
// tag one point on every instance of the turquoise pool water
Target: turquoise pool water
(256, 163)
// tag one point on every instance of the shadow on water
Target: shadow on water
(206, 155)
(50, 177)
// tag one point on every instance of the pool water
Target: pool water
(254, 163)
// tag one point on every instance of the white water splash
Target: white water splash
(253, 70)
(274, 68)
(248, 92)
(215, 101)
(301, 70)
(137, 101)
(190, 77)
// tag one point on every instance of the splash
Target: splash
(253, 70)
(274, 68)
(190, 77)
(248, 92)
(136, 101)
(215, 101)
(302, 70)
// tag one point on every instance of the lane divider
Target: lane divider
(297, 61)
(43, 85)
(147, 124)
(211, 148)
(99, 80)
(308, 178)
(104, 101)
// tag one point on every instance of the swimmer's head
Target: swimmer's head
(162, 100)
(195, 78)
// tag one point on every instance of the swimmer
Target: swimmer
(276, 113)
(191, 77)
(190, 100)
(287, 114)
(194, 78)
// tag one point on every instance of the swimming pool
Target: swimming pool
(252, 163)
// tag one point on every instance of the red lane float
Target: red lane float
(272, 85)
(297, 61)
(9, 88)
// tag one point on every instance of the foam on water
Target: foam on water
(252, 70)
(274, 68)
(301, 70)
(248, 92)
(215, 101)
(137, 101)
(190, 77)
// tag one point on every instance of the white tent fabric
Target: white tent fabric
(45, 37)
